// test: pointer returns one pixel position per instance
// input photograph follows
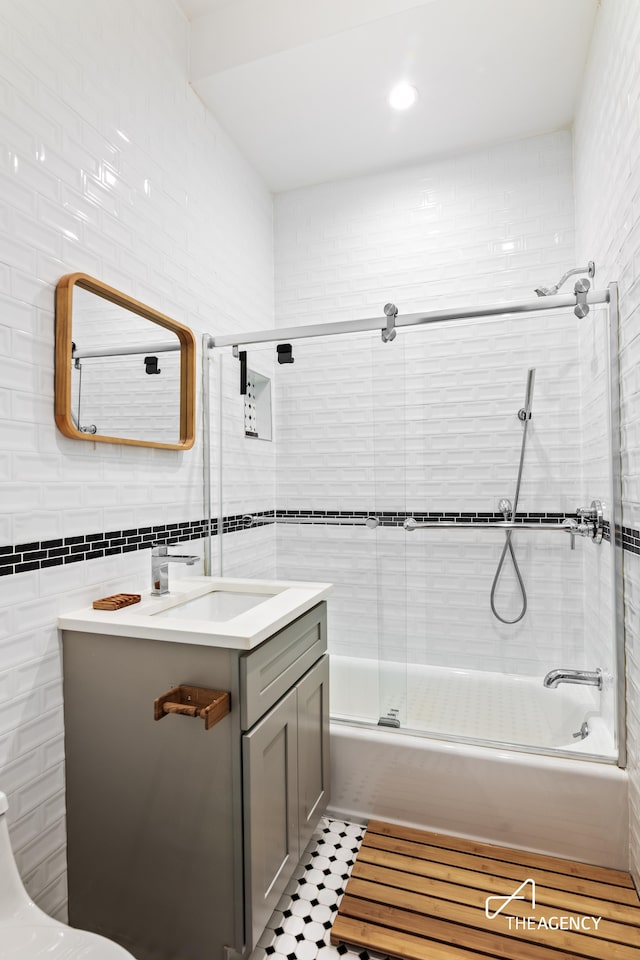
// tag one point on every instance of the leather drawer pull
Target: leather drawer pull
(198, 702)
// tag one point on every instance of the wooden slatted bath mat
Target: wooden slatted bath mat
(423, 896)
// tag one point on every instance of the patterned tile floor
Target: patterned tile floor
(300, 926)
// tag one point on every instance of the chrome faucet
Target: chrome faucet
(160, 560)
(592, 678)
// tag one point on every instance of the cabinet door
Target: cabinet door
(313, 748)
(270, 776)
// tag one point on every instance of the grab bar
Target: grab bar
(567, 526)
(371, 522)
(583, 529)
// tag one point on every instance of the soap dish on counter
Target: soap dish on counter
(117, 601)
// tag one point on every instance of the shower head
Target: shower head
(505, 508)
(590, 270)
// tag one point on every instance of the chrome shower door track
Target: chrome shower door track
(409, 320)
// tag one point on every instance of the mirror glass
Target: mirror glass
(124, 372)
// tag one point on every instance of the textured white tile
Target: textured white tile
(199, 247)
(607, 178)
(201, 240)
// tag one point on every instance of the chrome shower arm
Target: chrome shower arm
(590, 270)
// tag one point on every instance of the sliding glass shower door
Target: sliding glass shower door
(498, 416)
(394, 464)
(390, 470)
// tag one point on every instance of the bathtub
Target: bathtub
(567, 806)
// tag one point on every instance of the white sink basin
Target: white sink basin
(219, 605)
(213, 611)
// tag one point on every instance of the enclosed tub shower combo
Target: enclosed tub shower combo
(455, 474)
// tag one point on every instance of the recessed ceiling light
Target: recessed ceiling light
(403, 96)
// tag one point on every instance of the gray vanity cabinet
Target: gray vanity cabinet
(270, 753)
(313, 749)
(181, 840)
(286, 778)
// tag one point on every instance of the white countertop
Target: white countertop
(243, 632)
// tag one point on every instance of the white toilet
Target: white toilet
(26, 932)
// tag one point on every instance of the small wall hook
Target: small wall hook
(285, 353)
(151, 365)
(242, 357)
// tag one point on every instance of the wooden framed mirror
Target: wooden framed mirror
(124, 373)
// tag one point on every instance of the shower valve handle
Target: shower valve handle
(592, 518)
(589, 523)
(579, 528)
(571, 526)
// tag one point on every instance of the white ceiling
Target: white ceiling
(302, 85)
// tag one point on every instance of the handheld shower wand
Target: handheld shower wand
(509, 510)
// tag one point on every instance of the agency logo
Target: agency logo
(504, 902)
(493, 906)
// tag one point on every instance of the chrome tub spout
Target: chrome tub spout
(591, 678)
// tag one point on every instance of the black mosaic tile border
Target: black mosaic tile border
(242, 521)
(42, 554)
(630, 539)
(392, 518)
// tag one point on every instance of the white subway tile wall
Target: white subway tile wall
(607, 184)
(248, 463)
(109, 164)
(481, 227)
(428, 422)
(429, 604)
